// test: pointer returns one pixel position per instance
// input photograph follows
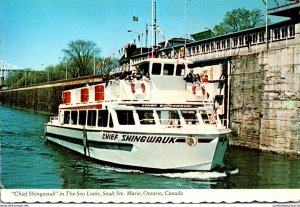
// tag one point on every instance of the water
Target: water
(29, 163)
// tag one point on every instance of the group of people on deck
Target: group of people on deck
(123, 75)
(194, 78)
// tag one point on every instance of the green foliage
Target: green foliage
(80, 57)
(239, 19)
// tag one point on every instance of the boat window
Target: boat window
(66, 117)
(74, 116)
(168, 117)
(156, 69)
(91, 121)
(168, 69)
(82, 117)
(190, 117)
(125, 117)
(180, 70)
(102, 118)
(146, 117)
(111, 123)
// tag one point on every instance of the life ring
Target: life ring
(197, 92)
(142, 88)
(191, 141)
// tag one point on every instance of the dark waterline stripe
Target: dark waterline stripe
(203, 136)
(93, 143)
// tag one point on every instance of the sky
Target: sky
(33, 33)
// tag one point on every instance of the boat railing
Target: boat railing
(147, 121)
(170, 122)
(191, 121)
(53, 118)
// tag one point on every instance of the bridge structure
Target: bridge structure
(6, 69)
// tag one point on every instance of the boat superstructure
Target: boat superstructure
(151, 118)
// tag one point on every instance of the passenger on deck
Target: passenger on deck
(112, 76)
(146, 77)
(205, 79)
(123, 75)
(105, 79)
(190, 77)
(197, 77)
(138, 74)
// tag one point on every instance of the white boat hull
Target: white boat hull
(147, 151)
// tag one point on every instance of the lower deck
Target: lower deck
(147, 117)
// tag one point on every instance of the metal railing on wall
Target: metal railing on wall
(275, 4)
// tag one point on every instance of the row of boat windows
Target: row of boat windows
(163, 69)
(102, 118)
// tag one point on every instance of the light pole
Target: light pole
(66, 71)
(63, 62)
(25, 77)
(140, 35)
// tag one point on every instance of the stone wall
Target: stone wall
(37, 99)
(265, 100)
(44, 97)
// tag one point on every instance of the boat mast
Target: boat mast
(155, 23)
(153, 26)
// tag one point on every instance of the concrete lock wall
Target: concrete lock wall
(43, 97)
(265, 100)
(37, 99)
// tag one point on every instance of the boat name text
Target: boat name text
(139, 138)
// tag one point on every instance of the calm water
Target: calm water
(27, 163)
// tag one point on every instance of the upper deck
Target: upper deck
(152, 81)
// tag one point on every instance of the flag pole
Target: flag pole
(94, 66)
(185, 31)
(146, 45)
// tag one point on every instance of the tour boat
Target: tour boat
(157, 123)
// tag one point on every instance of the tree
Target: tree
(80, 54)
(239, 19)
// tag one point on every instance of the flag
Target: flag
(100, 65)
(147, 32)
(166, 43)
(158, 31)
(134, 18)
(213, 116)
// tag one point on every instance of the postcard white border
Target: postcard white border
(149, 196)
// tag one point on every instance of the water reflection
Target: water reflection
(259, 170)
